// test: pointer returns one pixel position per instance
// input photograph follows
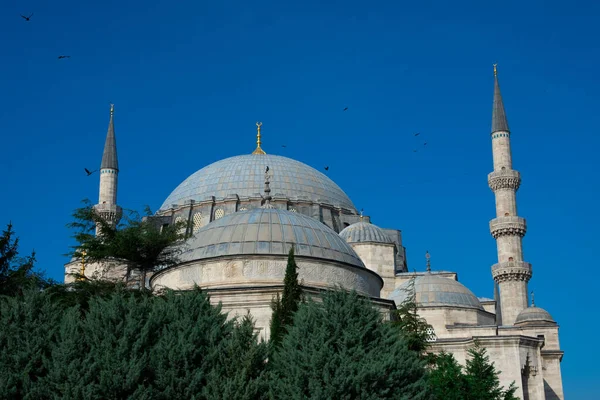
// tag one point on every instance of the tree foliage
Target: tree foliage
(284, 308)
(341, 349)
(17, 273)
(138, 241)
(477, 381)
(127, 345)
(413, 328)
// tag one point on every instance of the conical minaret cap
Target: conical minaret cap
(109, 157)
(499, 122)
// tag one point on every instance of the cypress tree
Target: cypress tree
(341, 349)
(447, 379)
(411, 325)
(284, 309)
(482, 378)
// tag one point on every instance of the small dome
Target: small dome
(432, 290)
(364, 232)
(244, 175)
(269, 231)
(534, 314)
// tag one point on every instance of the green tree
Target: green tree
(17, 273)
(284, 308)
(341, 349)
(413, 328)
(28, 326)
(482, 378)
(241, 371)
(446, 378)
(140, 243)
(118, 335)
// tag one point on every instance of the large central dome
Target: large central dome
(244, 176)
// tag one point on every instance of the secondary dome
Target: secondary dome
(534, 314)
(364, 232)
(244, 176)
(269, 231)
(432, 290)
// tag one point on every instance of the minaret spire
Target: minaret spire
(107, 206)
(499, 122)
(109, 157)
(511, 273)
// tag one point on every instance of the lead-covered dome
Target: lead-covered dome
(534, 315)
(269, 231)
(244, 176)
(432, 290)
(364, 232)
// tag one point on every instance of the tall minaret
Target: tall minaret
(511, 273)
(109, 172)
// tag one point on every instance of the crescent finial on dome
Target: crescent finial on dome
(258, 142)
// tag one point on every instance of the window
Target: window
(197, 221)
(431, 337)
(219, 213)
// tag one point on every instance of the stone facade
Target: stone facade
(522, 341)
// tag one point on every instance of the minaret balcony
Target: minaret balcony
(504, 179)
(508, 226)
(512, 271)
(111, 213)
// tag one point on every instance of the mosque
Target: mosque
(245, 212)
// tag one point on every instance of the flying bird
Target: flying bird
(345, 108)
(417, 134)
(88, 172)
(27, 18)
(425, 144)
(327, 168)
(414, 151)
(283, 145)
(61, 57)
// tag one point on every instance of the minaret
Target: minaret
(107, 206)
(511, 273)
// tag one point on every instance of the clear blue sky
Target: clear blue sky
(189, 80)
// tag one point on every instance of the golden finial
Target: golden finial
(361, 214)
(495, 70)
(112, 109)
(428, 258)
(258, 149)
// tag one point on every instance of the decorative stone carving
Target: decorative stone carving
(504, 179)
(508, 226)
(511, 271)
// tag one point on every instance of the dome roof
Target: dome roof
(269, 231)
(432, 290)
(534, 314)
(244, 176)
(364, 232)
